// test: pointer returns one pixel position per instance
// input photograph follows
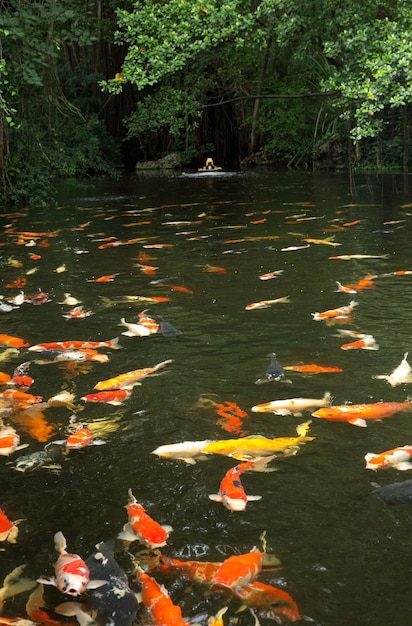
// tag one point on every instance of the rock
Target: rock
(170, 161)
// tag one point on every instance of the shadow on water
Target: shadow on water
(345, 554)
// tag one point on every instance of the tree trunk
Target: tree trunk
(256, 106)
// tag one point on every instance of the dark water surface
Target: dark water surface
(346, 556)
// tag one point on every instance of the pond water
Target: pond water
(345, 554)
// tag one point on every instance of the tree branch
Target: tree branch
(320, 94)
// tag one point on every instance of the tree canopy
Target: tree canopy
(281, 81)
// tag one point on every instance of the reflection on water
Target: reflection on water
(345, 555)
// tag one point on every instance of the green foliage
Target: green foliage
(373, 64)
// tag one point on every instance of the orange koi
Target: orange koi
(176, 288)
(200, 572)
(358, 414)
(4, 378)
(17, 283)
(115, 397)
(261, 221)
(9, 440)
(149, 270)
(313, 368)
(159, 604)
(232, 416)
(148, 322)
(77, 313)
(8, 529)
(271, 602)
(238, 570)
(331, 313)
(158, 246)
(16, 397)
(34, 423)
(13, 342)
(367, 342)
(142, 527)
(103, 279)
(129, 379)
(25, 234)
(352, 223)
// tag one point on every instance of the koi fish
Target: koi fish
(178, 288)
(242, 449)
(9, 440)
(274, 372)
(129, 379)
(61, 356)
(270, 275)
(401, 374)
(13, 584)
(396, 493)
(80, 438)
(103, 279)
(331, 313)
(313, 368)
(357, 414)
(12, 342)
(116, 397)
(399, 458)
(217, 620)
(200, 572)
(238, 570)
(349, 257)
(70, 300)
(46, 459)
(148, 322)
(39, 298)
(71, 572)
(345, 288)
(159, 604)
(20, 377)
(328, 241)
(134, 330)
(113, 344)
(231, 492)
(167, 329)
(293, 406)
(293, 248)
(271, 602)
(78, 313)
(8, 529)
(232, 416)
(142, 527)
(264, 304)
(366, 342)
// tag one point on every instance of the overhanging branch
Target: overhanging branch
(318, 94)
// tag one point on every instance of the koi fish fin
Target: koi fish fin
(405, 465)
(70, 609)
(217, 620)
(95, 584)
(44, 580)
(129, 333)
(253, 498)
(215, 497)
(23, 445)
(114, 344)
(303, 428)
(13, 584)
(127, 533)
(98, 442)
(60, 544)
(260, 464)
(291, 450)
(285, 412)
(167, 528)
(358, 422)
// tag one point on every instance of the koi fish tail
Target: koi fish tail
(60, 544)
(303, 428)
(14, 585)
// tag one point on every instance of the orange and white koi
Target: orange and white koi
(293, 406)
(200, 572)
(20, 377)
(359, 414)
(142, 527)
(271, 602)
(345, 288)
(129, 379)
(19, 399)
(77, 313)
(313, 368)
(263, 304)
(365, 342)
(113, 344)
(331, 313)
(399, 458)
(270, 275)
(231, 492)
(400, 375)
(71, 572)
(116, 397)
(148, 322)
(80, 438)
(238, 570)
(8, 529)
(159, 604)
